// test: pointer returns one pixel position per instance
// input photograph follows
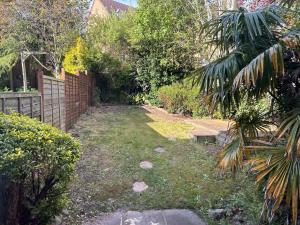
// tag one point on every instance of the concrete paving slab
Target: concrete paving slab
(159, 149)
(154, 217)
(139, 187)
(181, 217)
(150, 217)
(146, 165)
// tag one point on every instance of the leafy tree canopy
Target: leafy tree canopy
(49, 26)
(74, 58)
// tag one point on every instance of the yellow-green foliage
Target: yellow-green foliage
(41, 159)
(74, 58)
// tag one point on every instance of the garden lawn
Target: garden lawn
(115, 139)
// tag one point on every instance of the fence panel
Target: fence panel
(53, 98)
(78, 95)
(65, 99)
(25, 103)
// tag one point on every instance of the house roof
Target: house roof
(114, 6)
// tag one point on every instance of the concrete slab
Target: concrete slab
(139, 187)
(150, 217)
(146, 165)
(159, 149)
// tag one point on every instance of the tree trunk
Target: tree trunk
(12, 210)
(13, 204)
(235, 5)
(3, 199)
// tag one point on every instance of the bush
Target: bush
(182, 98)
(113, 77)
(75, 58)
(37, 161)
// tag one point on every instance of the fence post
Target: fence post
(63, 74)
(40, 78)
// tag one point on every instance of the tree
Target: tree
(163, 41)
(8, 56)
(74, 59)
(48, 26)
(111, 35)
(259, 56)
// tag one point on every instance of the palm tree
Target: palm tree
(259, 55)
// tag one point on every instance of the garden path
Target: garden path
(150, 217)
(140, 159)
(204, 128)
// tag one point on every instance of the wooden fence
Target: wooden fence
(59, 102)
(53, 98)
(78, 95)
(65, 99)
(24, 103)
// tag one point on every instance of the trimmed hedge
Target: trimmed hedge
(37, 162)
(182, 98)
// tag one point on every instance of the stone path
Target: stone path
(205, 129)
(150, 217)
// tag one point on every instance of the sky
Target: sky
(128, 2)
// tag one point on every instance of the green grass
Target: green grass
(115, 141)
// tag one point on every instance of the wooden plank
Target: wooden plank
(3, 105)
(8, 95)
(52, 79)
(11, 102)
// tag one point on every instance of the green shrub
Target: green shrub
(113, 77)
(75, 58)
(39, 160)
(182, 98)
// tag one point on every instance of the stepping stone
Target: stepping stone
(159, 149)
(139, 187)
(146, 165)
(150, 217)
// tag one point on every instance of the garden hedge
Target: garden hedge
(37, 162)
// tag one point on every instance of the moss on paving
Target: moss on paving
(114, 142)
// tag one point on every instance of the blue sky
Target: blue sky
(128, 2)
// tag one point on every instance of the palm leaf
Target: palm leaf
(280, 167)
(235, 28)
(233, 154)
(231, 157)
(261, 73)
(291, 128)
(262, 68)
(282, 180)
(217, 78)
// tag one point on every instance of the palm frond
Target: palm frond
(235, 28)
(262, 70)
(217, 78)
(282, 177)
(242, 129)
(291, 128)
(261, 73)
(232, 155)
